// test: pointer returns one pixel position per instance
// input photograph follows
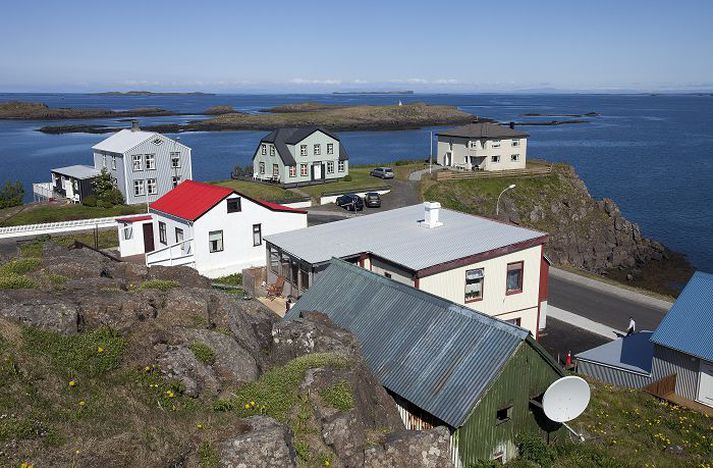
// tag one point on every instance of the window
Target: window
(137, 162)
(516, 142)
(272, 150)
(330, 148)
(179, 235)
(474, 284)
(234, 205)
(495, 159)
(293, 171)
(285, 265)
(275, 170)
(303, 170)
(388, 275)
(274, 261)
(139, 188)
(262, 168)
(175, 159)
(317, 149)
(263, 149)
(303, 150)
(215, 241)
(341, 166)
(330, 167)
(175, 180)
(257, 235)
(162, 232)
(128, 232)
(150, 161)
(304, 277)
(513, 281)
(294, 273)
(104, 161)
(503, 415)
(157, 141)
(151, 186)
(514, 157)
(113, 162)
(515, 321)
(495, 144)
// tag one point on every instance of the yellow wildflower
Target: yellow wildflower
(82, 403)
(72, 383)
(100, 349)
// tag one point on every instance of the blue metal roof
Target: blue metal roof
(438, 355)
(688, 326)
(633, 353)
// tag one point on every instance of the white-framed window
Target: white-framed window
(179, 235)
(275, 170)
(330, 167)
(175, 180)
(139, 188)
(495, 144)
(293, 171)
(162, 238)
(516, 142)
(330, 148)
(303, 150)
(474, 280)
(215, 241)
(317, 149)
(495, 159)
(150, 161)
(136, 162)
(303, 170)
(257, 235)
(113, 162)
(235, 205)
(157, 141)
(151, 186)
(128, 232)
(341, 167)
(175, 159)
(261, 167)
(263, 149)
(514, 157)
(272, 150)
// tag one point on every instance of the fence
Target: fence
(56, 228)
(532, 171)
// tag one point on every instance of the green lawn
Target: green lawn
(52, 213)
(273, 193)
(360, 180)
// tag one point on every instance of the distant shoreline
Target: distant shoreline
(150, 93)
(407, 92)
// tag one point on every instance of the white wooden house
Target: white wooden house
(482, 147)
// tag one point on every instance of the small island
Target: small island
(20, 110)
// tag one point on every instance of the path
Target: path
(416, 176)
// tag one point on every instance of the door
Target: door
(447, 159)
(705, 384)
(316, 170)
(148, 237)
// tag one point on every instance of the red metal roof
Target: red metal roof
(190, 200)
(134, 219)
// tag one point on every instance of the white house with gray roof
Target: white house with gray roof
(300, 156)
(496, 268)
(483, 147)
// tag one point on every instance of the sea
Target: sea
(652, 154)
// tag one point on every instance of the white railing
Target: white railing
(180, 253)
(56, 228)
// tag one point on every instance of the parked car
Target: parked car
(383, 172)
(350, 201)
(372, 200)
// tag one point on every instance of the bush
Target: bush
(236, 279)
(203, 352)
(90, 200)
(105, 203)
(11, 194)
(348, 178)
(163, 285)
(113, 196)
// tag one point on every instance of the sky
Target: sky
(318, 46)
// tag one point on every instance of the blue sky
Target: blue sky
(311, 46)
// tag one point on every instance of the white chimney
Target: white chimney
(432, 211)
(135, 126)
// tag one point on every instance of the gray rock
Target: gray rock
(36, 309)
(178, 362)
(411, 449)
(264, 442)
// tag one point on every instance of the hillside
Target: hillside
(584, 233)
(20, 110)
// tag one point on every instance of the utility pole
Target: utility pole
(430, 157)
(497, 204)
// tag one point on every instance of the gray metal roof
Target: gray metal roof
(438, 355)
(634, 353)
(282, 137)
(483, 130)
(397, 235)
(688, 326)
(78, 171)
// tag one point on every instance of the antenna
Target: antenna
(566, 399)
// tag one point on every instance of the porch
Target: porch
(664, 389)
(180, 253)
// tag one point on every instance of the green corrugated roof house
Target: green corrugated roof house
(443, 363)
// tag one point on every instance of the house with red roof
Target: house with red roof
(214, 229)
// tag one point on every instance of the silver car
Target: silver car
(383, 172)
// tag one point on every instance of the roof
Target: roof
(632, 353)
(134, 219)
(78, 171)
(438, 355)
(190, 200)
(282, 137)
(688, 325)
(482, 130)
(123, 140)
(396, 235)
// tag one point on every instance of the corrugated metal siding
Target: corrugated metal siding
(439, 356)
(668, 361)
(526, 375)
(619, 377)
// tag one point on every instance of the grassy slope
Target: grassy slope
(52, 213)
(360, 180)
(266, 192)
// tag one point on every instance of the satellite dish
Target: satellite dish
(566, 398)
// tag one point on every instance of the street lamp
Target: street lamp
(497, 204)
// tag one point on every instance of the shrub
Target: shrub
(13, 281)
(236, 279)
(90, 200)
(339, 396)
(104, 204)
(20, 266)
(348, 178)
(203, 352)
(11, 194)
(532, 448)
(163, 285)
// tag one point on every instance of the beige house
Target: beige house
(482, 147)
(492, 267)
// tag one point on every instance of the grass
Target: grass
(13, 281)
(54, 213)
(208, 456)
(236, 279)
(339, 395)
(203, 352)
(161, 285)
(267, 192)
(360, 180)
(12, 273)
(107, 239)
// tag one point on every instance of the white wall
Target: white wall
(397, 274)
(484, 148)
(135, 244)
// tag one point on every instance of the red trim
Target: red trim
(416, 282)
(135, 219)
(543, 293)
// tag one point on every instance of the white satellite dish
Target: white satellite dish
(566, 398)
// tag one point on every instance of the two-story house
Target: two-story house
(482, 146)
(145, 165)
(496, 268)
(300, 156)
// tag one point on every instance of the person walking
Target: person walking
(632, 327)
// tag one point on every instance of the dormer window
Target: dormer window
(157, 141)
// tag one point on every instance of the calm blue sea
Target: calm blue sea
(652, 154)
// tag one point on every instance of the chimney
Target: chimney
(512, 125)
(432, 212)
(135, 126)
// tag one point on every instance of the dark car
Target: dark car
(350, 201)
(383, 172)
(372, 200)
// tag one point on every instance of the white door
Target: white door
(705, 383)
(317, 170)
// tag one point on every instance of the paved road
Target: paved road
(560, 337)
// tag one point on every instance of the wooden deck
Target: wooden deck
(664, 390)
(692, 405)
